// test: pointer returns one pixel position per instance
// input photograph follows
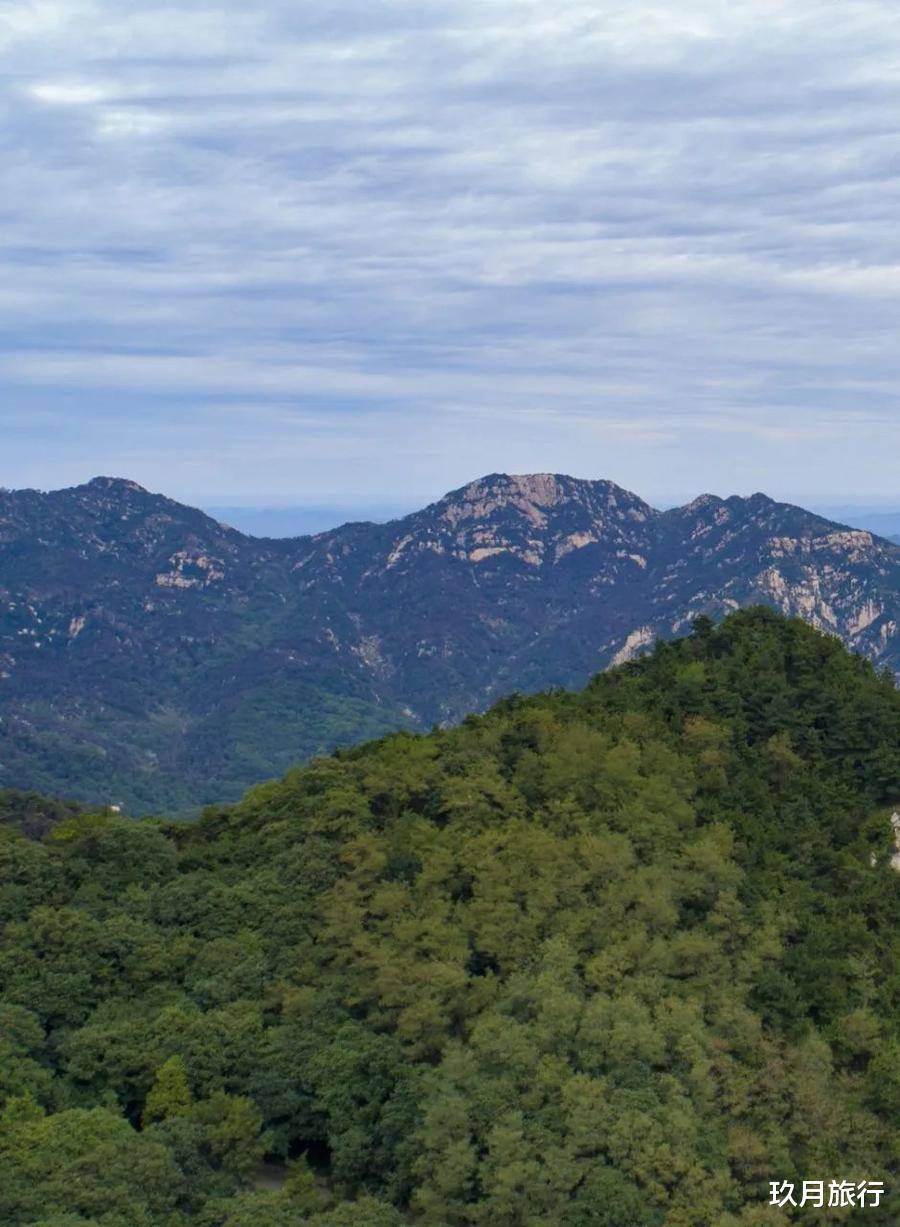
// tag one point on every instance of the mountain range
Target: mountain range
(154, 658)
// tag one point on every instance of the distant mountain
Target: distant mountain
(154, 658)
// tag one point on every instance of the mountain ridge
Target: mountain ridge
(525, 483)
(152, 656)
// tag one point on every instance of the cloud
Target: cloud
(65, 93)
(659, 240)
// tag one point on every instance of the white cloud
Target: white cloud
(67, 93)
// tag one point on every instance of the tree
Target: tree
(170, 1094)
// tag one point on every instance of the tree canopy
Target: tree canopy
(615, 958)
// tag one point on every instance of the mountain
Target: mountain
(154, 658)
(616, 958)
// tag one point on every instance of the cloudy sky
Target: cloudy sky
(360, 251)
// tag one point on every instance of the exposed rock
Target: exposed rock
(635, 641)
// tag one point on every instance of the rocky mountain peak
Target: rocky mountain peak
(541, 489)
(112, 485)
(539, 498)
(534, 519)
(702, 503)
(126, 508)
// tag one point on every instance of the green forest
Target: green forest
(614, 958)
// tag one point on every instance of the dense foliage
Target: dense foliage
(32, 814)
(616, 958)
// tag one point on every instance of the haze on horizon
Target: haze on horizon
(358, 255)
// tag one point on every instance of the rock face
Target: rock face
(150, 655)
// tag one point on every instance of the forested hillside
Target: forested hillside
(616, 958)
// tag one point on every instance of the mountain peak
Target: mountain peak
(112, 485)
(542, 489)
(535, 495)
(757, 499)
(702, 502)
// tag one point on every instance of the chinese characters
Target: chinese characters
(833, 1193)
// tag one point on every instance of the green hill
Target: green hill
(615, 958)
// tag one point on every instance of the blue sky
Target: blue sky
(356, 253)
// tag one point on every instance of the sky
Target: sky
(355, 253)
